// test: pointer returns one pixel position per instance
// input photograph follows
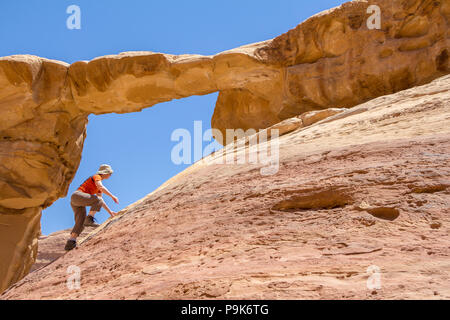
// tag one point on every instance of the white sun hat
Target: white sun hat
(105, 169)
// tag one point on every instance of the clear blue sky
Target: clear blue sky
(138, 145)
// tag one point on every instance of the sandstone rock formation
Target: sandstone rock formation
(51, 247)
(365, 190)
(332, 60)
(41, 139)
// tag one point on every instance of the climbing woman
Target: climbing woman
(89, 194)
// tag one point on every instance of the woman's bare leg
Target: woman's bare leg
(92, 213)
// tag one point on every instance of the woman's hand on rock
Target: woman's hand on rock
(115, 199)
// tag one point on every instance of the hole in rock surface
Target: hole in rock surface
(384, 213)
(325, 199)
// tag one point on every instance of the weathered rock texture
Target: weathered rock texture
(41, 139)
(368, 187)
(331, 60)
(51, 247)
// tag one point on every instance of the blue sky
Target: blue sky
(138, 145)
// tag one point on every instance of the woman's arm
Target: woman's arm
(105, 206)
(102, 188)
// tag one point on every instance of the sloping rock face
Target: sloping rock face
(357, 209)
(332, 60)
(51, 247)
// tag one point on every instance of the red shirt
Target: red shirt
(89, 185)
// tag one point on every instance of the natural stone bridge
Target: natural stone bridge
(330, 60)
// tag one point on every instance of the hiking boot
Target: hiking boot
(90, 222)
(70, 244)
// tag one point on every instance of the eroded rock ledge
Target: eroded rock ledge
(330, 60)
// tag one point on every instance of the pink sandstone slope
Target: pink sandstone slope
(365, 188)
